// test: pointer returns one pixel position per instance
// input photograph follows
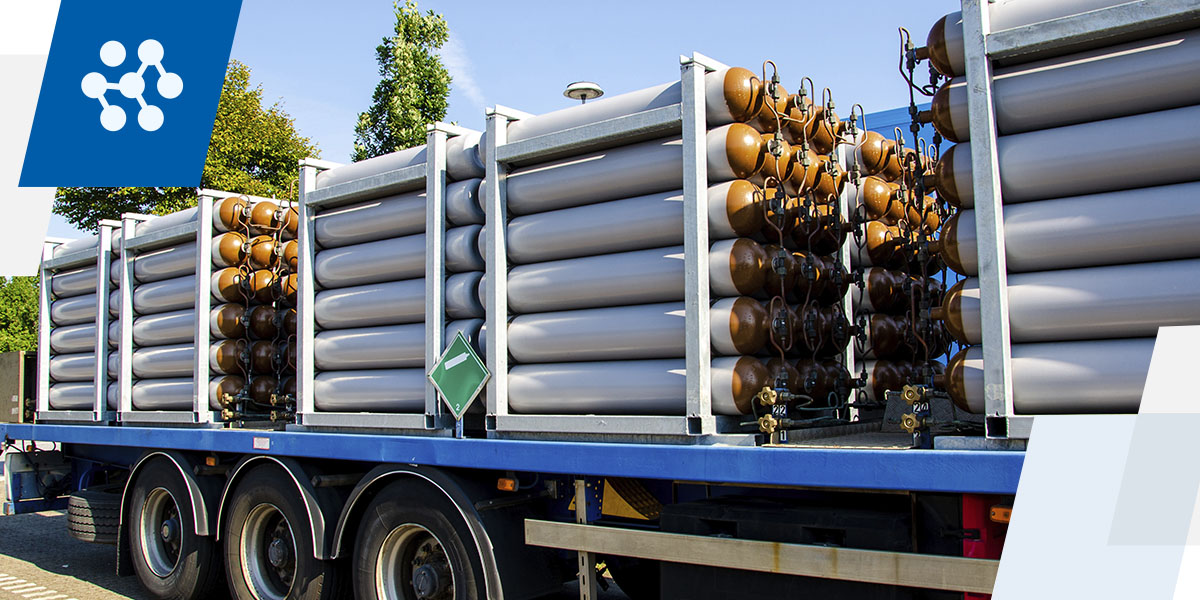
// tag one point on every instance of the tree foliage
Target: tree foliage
(254, 150)
(414, 87)
(18, 313)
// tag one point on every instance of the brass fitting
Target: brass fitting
(911, 423)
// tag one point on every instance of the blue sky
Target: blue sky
(318, 58)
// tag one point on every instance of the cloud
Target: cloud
(454, 56)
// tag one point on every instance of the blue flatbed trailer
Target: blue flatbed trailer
(215, 460)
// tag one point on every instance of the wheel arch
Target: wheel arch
(202, 499)
(315, 509)
(440, 480)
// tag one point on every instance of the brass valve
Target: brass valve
(768, 424)
(911, 394)
(767, 397)
(911, 423)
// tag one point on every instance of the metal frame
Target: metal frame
(434, 420)
(688, 117)
(972, 575)
(1104, 26)
(101, 257)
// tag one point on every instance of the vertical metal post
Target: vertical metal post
(989, 222)
(496, 274)
(125, 349)
(587, 560)
(435, 262)
(43, 355)
(100, 375)
(698, 346)
(306, 295)
(201, 411)
(848, 299)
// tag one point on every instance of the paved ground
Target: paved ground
(39, 560)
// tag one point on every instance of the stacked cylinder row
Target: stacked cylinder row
(369, 269)
(1097, 155)
(74, 311)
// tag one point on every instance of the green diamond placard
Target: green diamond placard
(459, 375)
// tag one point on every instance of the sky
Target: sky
(318, 58)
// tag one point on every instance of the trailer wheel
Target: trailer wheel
(170, 560)
(411, 545)
(268, 542)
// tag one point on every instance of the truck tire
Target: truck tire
(170, 560)
(269, 545)
(94, 514)
(411, 544)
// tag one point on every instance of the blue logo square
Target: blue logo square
(130, 93)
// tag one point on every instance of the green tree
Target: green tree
(18, 313)
(254, 150)
(414, 86)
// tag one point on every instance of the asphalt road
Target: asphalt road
(39, 560)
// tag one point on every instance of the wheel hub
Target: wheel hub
(169, 531)
(430, 581)
(278, 552)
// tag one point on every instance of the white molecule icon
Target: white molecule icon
(131, 85)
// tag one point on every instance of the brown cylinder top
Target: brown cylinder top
(806, 288)
(893, 169)
(744, 150)
(230, 320)
(262, 251)
(289, 386)
(227, 284)
(770, 220)
(291, 249)
(777, 367)
(830, 180)
(780, 169)
(939, 57)
(749, 378)
(873, 153)
(228, 385)
(262, 216)
(262, 322)
(743, 208)
(953, 312)
(832, 291)
(882, 243)
(747, 262)
(803, 178)
(821, 230)
(881, 199)
(291, 222)
(262, 356)
(925, 217)
(228, 250)
(227, 356)
(261, 388)
(749, 325)
(259, 284)
(289, 321)
(949, 245)
(939, 109)
(955, 379)
(888, 375)
(944, 174)
(743, 93)
(823, 129)
(774, 284)
(884, 288)
(799, 112)
(888, 336)
(229, 213)
(290, 284)
(773, 110)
